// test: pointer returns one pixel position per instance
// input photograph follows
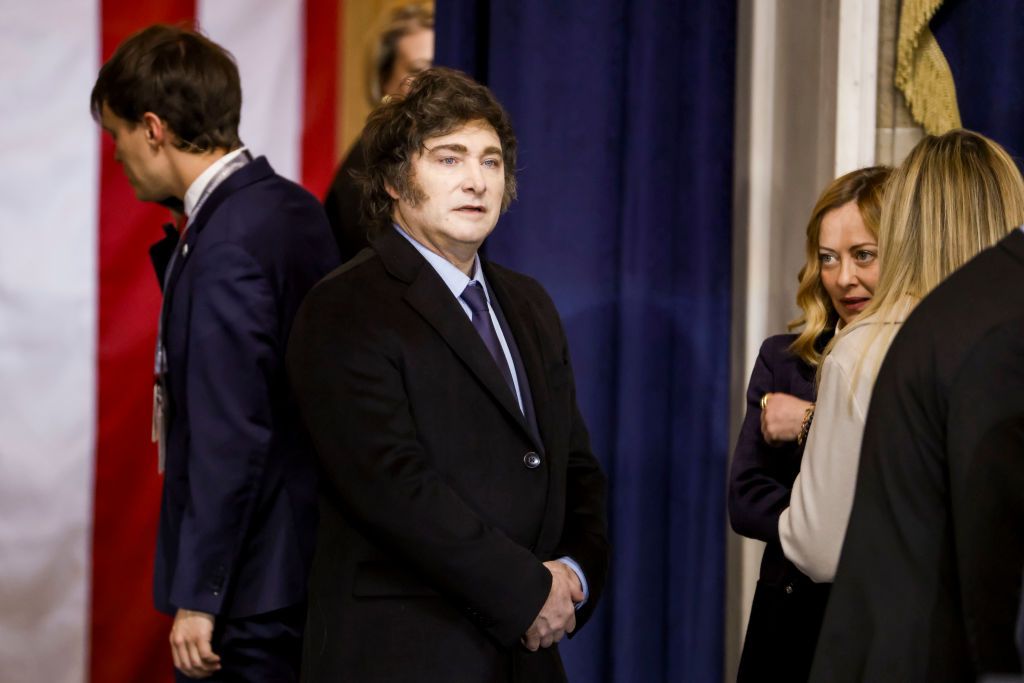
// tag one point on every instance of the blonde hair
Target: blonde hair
(954, 195)
(865, 187)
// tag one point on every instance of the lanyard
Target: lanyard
(159, 427)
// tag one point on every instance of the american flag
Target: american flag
(79, 489)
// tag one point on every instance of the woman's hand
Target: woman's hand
(782, 418)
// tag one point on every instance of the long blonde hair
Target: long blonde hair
(864, 187)
(953, 196)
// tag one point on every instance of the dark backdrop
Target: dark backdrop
(984, 45)
(624, 114)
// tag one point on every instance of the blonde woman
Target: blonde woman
(955, 195)
(836, 282)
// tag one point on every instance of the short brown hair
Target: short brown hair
(181, 76)
(440, 101)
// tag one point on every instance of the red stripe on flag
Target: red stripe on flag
(128, 640)
(319, 97)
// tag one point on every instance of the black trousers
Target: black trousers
(264, 648)
(783, 630)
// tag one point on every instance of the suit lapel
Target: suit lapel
(253, 172)
(522, 324)
(432, 299)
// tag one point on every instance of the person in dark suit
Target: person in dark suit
(405, 48)
(928, 579)
(837, 280)
(238, 514)
(463, 524)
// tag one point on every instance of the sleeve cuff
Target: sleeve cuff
(575, 567)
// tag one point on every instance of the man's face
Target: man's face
(459, 180)
(414, 53)
(142, 160)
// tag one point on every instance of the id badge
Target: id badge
(159, 432)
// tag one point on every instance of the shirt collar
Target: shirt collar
(198, 186)
(454, 278)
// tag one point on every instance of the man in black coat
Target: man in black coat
(929, 584)
(463, 525)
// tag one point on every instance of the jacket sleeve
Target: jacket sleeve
(233, 359)
(756, 496)
(348, 380)
(812, 528)
(585, 534)
(985, 432)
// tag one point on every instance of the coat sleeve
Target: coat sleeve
(348, 380)
(985, 432)
(812, 528)
(756, 496)
(585, 534)
(233, 359)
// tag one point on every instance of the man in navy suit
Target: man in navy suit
(238, 516)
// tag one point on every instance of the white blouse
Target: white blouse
(813, 526)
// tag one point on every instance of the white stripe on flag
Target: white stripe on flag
(266, 38)
(49, 55)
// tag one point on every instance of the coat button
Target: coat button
(789, 589)
(531, 460)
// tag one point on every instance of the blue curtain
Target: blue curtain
(984, 45)
(624, 114)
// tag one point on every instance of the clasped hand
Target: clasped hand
(558, 615)
(782, 418)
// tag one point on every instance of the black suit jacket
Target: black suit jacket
(928, 582)
(434, 527)
(344, 205)
(238, 513)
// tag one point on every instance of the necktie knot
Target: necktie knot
(474, 297)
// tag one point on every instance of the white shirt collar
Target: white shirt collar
(195, 190)
(454, 278)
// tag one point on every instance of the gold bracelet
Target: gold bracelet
(805, 425)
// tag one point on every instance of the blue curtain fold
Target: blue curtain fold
(624, 113)
(984, 45)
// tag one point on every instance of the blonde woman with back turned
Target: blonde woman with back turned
(953, 196)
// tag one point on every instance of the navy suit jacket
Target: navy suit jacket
(238, 517)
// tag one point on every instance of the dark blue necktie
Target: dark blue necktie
(474, 296)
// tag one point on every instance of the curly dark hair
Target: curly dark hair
(181, 76)
(440, 101)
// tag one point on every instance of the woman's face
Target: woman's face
(849, 260)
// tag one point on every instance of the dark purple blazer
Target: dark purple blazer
(238, 517)
(762, 476)
(787, 611)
